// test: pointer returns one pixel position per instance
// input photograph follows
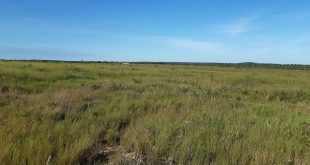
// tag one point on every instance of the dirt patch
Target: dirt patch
(4, 89)
(102, 152)
(64, 95)
(102, 155)
(64, 100)
(2, 122)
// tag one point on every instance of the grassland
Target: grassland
(76, 113)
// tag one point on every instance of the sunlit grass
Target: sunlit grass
(54, 112)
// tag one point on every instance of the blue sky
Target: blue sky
(267, 31)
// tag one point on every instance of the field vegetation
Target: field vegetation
(93, 113)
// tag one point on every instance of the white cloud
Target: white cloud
(240, 26)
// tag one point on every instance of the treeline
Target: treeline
(241, 65)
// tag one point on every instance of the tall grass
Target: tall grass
(166, 114)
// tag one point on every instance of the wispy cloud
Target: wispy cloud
(198, 46)
(240, 26)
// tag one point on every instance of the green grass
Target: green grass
(181, 114)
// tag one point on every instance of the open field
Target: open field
(76, 113)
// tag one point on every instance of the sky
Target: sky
(228, 31)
